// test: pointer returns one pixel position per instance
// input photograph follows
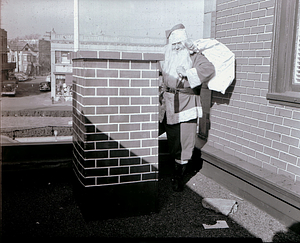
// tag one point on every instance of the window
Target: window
(57, 57)
(62, 57)
(65, 57)
(284, 85)
(59, 81)
(295, 86)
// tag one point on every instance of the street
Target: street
(26, 109)
(28, 96)
(30, 87)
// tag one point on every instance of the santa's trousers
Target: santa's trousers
(181, 139)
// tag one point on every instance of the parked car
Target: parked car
(21, 76)
(9, 87)
(45, 86)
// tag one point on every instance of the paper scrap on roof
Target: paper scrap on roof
(220, 205)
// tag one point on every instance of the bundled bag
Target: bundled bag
(224, 61)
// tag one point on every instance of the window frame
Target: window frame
(60, 59)
(283, 54)
(65, 57)
(57, 57)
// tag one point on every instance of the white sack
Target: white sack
(223, 59)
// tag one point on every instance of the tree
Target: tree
(32, 36)
(26, 37)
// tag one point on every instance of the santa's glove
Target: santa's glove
(181, 71)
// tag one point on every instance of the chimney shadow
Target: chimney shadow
(111, 180)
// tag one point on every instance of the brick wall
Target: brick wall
(115, 117)
(243, 122)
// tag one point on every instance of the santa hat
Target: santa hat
(176, 34)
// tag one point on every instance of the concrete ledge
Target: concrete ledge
(23, 156)
(276, 194)
(58, 139)
(38, 113)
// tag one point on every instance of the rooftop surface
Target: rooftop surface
(41, 203)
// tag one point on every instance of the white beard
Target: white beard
(173, 59)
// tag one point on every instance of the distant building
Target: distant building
(25, 56)
(44, 56)
(61, 66)
(6, 65)
(14, 54)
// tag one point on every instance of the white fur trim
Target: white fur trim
(193, 77)
(190, 114)
(182, 116)
(177, 36)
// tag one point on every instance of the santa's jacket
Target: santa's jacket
(181, 99)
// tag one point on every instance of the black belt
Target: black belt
(180, 90)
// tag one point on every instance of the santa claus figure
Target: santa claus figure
(184, 70)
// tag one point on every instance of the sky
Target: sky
(142, 18)
(20, 18)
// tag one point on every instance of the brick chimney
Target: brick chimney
(115, 131)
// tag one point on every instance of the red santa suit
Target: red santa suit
(181, 105)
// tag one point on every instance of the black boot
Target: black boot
(177, 181)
